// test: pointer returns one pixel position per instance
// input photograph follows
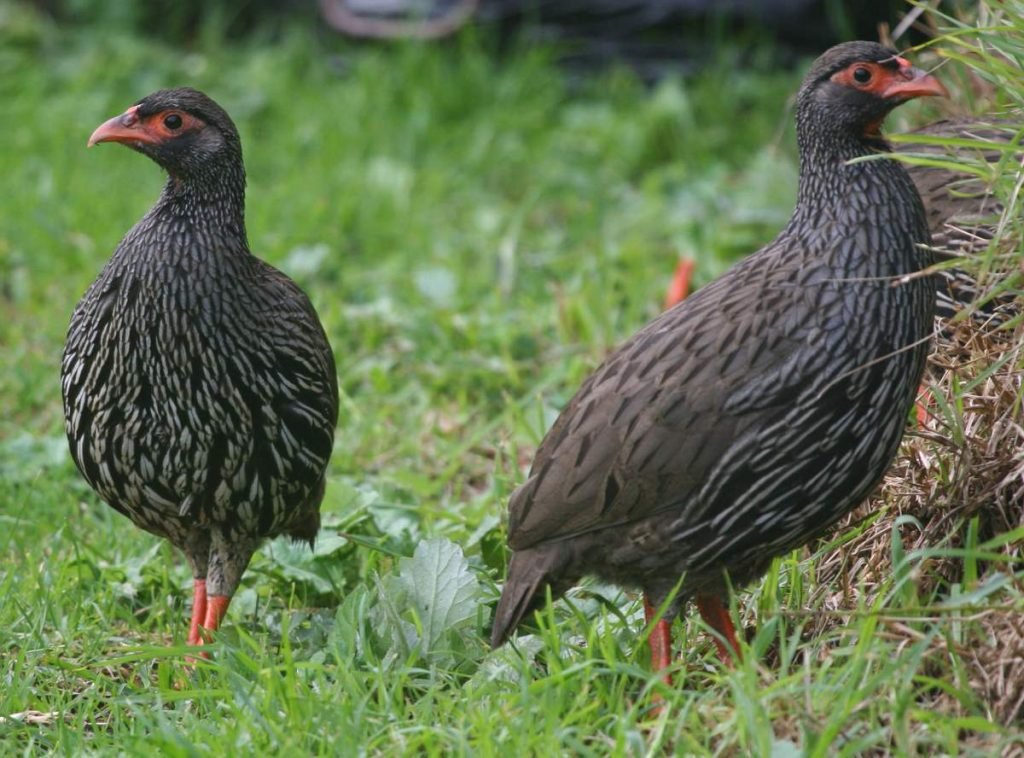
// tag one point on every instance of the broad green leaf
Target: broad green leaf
(441, 588)
(386, 617)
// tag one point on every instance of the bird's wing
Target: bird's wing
(959, 204)
(276, 396)
(305, 388)
(644, 431)
(962, 210)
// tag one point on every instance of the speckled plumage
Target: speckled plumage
(749, 418)
(199, 388)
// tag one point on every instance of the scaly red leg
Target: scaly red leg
(660, 640)
(198, 611)
(679, 287)
(216, 608)
(716, 615)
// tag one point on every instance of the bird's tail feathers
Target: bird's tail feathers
(529, 572)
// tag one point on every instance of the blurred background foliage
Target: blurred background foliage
(619, 27)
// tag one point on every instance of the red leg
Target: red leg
(216, 608)
(679, 287)
(924, 400)
(198, 611)
(716, 615)
(660, 640)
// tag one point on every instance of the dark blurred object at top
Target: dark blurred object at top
(180, 20)
(647, 33)
(654, 36)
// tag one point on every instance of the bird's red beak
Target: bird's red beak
(126, 128)
(910, 82)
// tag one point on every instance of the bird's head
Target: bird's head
(855, 85)
(182, 129)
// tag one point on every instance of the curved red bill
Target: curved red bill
(127, 127)
(909, 82)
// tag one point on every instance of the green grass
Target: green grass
(475, 236)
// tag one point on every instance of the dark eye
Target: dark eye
(861, 75)
(172, 121)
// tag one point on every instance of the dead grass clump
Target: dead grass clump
(995, 661)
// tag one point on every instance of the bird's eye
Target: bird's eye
(172, 121)
(861, 75)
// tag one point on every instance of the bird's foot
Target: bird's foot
(216, 610)
(207, 613)
(198, 611)
(716, 616)
(660, 640)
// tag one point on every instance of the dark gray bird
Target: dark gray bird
(749, 418)
(200, 393)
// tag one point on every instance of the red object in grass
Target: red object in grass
(924, 399)
(679, 287)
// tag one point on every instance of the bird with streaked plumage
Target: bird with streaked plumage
(200, 393)
(749, 418)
